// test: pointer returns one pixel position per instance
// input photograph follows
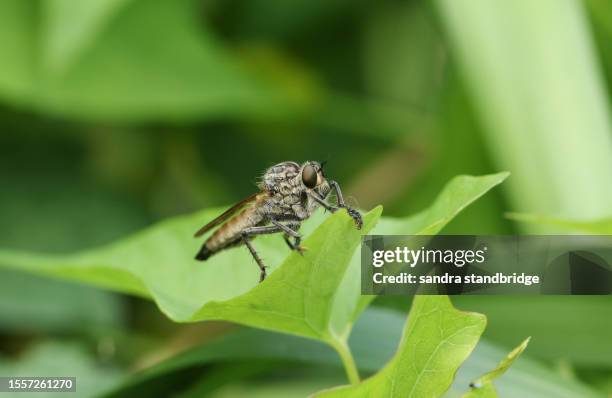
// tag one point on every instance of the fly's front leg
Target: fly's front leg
(290, 230)
(355, 215)
(253, 231)
(322, 202)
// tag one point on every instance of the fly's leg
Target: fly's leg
(355, 215)
(290, 230)
(322, 202)
(296, 246)
(254, 231)
(339, 195)
(260, 264)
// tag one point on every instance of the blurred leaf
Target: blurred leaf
(551, 132)
(453, 125)
(483, 386)
(597, 378)
(277, 20)
(384, 120)
(54, 213)
(215, 379)
(62, 359)
(436, 340)
(69, 215)
(404, 32)
(284, 388)
(574, 328)
(600, 12)
(17, 40)
(70, 27)
(29, 303)
(602, 227)
(526, 378)
(247, 345)
(135, 61)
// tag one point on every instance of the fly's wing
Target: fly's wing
(227, 214)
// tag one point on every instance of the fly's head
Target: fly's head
(312, 177)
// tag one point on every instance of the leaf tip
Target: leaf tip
(503, 175)
(521, 347)
(377, 211)
(498, 178)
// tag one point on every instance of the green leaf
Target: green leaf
(527, 378)
(546, 320)
(316, 295)
(55, 306)
(602, 227)
(303, 296)
(63, 359)
(158, 262)
(69, 27)
(286, 386)
(483, 386)
(515, 57)
(459, 193)
(299, 297)
(114, 60)
(486, 391)
(17, 40)
(437, 339)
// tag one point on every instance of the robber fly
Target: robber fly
(289, 194)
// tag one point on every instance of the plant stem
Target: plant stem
(347, 360)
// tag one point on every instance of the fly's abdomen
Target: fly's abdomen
(230, 233)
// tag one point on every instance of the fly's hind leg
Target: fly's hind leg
(260, 264)
(253, 231)
(290, 231)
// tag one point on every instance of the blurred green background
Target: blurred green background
(115, 114)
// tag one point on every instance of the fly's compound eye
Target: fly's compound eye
(309, 176)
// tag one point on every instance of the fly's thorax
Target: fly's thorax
(279, 206)
(280, 178)
(288, 185)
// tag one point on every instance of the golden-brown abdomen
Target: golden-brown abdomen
(229, 233)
